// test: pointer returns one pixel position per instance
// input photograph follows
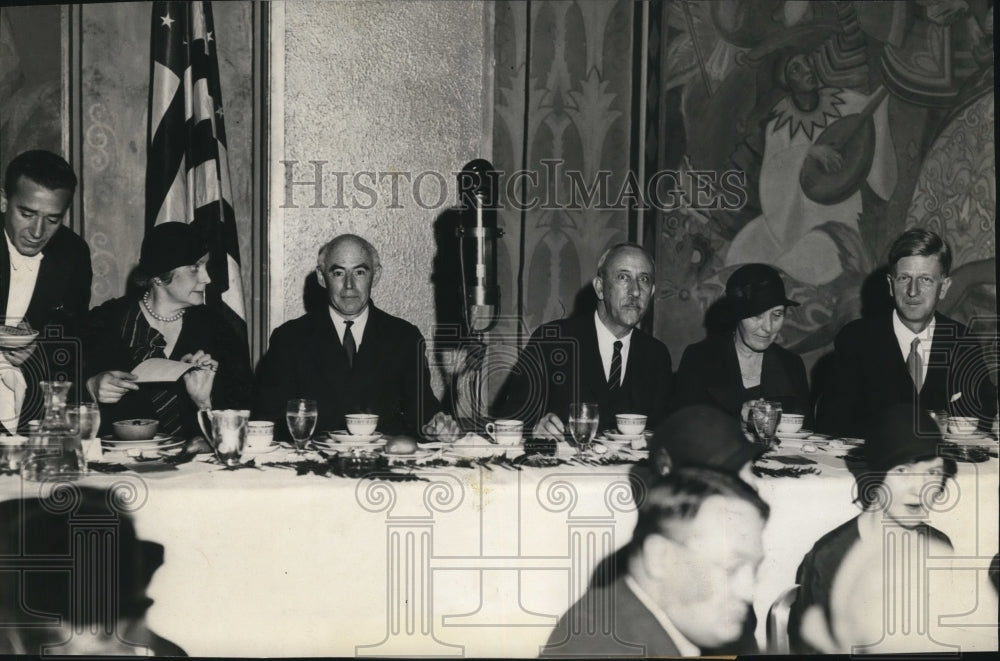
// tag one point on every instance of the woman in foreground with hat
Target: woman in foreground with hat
(900, 475)
(165, 318)
(730, 370)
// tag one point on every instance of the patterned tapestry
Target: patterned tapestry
(844, 124)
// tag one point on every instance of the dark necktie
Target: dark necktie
(165, 401)
(915, 365)
(350, 348)
(615, 379)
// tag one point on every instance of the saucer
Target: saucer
(801, 434)
(622, 438)
(963, 434)
(345, 438)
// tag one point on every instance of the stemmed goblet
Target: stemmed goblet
(583, 421)
(301, 415)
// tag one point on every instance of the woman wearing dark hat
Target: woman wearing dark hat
(902, 474)
(730, 370)
(166, 318)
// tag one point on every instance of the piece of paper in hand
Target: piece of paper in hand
(153, 370)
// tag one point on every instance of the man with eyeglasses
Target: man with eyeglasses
(604, 358)
(690, 574)
(913, 355)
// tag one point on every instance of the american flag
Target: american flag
(187, 164)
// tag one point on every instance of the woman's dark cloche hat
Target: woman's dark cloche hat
(755, 288)
(169, 245)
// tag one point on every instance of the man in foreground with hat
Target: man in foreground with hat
(76, 577)
(165, 318)
(903, 472)
(605, 358)
(45, 277)
(729, 370)
(912, 355)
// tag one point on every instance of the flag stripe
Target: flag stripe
(187, 171)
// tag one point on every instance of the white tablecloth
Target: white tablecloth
(469, 562)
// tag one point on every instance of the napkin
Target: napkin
(12, 389)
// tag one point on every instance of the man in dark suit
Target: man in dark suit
(45, 277)
(689, 578)
(602, 359)
(912, 355)
(350, 356)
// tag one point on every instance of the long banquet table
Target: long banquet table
(464, 561)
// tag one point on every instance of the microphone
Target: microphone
(478, 234)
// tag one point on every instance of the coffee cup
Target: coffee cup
(260, 435)
(505, 432)
(361, 424)
(630, 424)
(790, 423)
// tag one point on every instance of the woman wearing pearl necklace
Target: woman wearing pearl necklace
(167, 318)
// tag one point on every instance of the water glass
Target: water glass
(301, 415)
(583, 420)
(765, 417)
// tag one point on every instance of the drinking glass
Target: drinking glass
(301, 415)
(583, 421)
(765, 417)
(87, 418)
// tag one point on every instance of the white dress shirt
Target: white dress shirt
(357, 329)
(904, 336)
(684, 646)
(23, 276)
(606, 345)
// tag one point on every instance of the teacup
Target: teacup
(260, 435)
(361, 424)
(790, 423)
(630, 424)
(505, 432)
(962, 425)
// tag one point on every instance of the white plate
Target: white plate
(345, 438)
(413, 456)
(965, 439)
(157, 442)
(265, 450)
(802, 433)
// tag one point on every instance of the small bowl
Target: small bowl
(12, 337)
(962, 425)
(136, 429)
(790, 423)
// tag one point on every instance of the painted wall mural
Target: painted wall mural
(848, 122)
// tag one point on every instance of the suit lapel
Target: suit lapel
(888, 354)
(45, 285)
(4, 276)
(590, 358)
(332, 359)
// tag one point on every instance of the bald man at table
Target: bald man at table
(605, 359)
(350, 356)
